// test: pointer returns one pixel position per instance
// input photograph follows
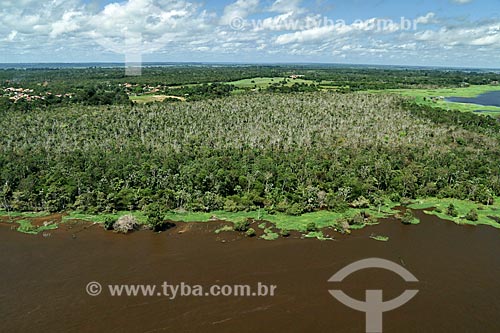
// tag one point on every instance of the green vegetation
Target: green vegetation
(286, 153)
(242, 226)
(26, 227)
(257, 82)
(142, 99)
(13, 214)
(451, 211)
(472, 216)
(290, 154)
(380, 238)
(283, 221)
(463, 209)
(226, 228)
(317, 235)
(104, 217)
(436, 97)
(250, 233)
(155, 216)
(269, 235)
(408, 218)
(108, 223)
(109, 86)
(284, 233)
(311, 227)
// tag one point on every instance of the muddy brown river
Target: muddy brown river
(43, 280)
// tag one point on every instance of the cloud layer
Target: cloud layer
(243, 30)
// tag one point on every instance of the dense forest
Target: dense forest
(290, 153)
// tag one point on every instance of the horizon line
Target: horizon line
(146, 63)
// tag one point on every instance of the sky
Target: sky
(450, 33)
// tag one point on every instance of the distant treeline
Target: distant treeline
(106, 86)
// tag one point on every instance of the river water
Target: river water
(44, 280)
(491, 98)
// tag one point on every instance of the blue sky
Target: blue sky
(462, 33)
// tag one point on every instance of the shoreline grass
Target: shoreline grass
(321, 219)
(425, 97)
(26, 227)
(463, 207)
(281, 221)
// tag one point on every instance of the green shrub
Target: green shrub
(108, 223)
(311, 227)
(452, 211)
(269, 235)
(405, 201)
(357, 219)
(472, 216)
(336, 204)
(155, 216)
(408, 218)
(285, 233)
(361, 202)
(225, 228)
(230, 206)
(242, 226)
(295, 209)
(250, 233)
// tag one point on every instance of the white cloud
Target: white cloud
(306, 35)
(481, 35)
(182, 27)
(12, 35)
(239, 9)
(287, 6)
(430, 18)
(461, 2)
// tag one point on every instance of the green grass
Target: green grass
(424, 96)
(380, 238)
(413, 221)
(101, 218)
(225, 228)
(463, 207)
(269, 235)
(282, 221)
(264, 82)
(318, 235)
(259, 82)
(409, 220)
(4, 213)
(142, 99)
(26, 227)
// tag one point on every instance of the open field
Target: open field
(259, 82)
(153, 98)
(264, 82)
(435, 97)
